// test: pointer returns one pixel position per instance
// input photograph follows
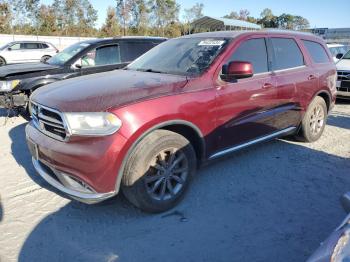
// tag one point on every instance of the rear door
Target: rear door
(31, 52)
(291, 73)
(245, 106)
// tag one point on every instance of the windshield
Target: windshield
(62, 57)
(347, 55)
(3, 47)
(182, 56)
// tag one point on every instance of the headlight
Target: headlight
(6, 86)
(92, 124)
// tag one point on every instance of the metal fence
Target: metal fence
(58, 41)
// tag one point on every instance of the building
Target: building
(208, 23)
(333, 35)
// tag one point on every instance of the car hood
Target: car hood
(344, 64)
(99, 92)
(25, 68)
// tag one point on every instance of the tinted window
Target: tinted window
(253, 51)
(287, 53)
(316, 51)
(104, 55)
(31, 45)
(132, 50)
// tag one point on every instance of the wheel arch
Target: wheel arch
(185, 128)
(326, 97)
(3, 59)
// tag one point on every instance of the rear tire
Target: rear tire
(314, 121)
(2, 61)
(159, 171)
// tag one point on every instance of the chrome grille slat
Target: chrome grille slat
(49, 121)
(344, 78)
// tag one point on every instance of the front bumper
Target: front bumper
(80, 193)
(84, 169)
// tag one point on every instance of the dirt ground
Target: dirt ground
(273, 202)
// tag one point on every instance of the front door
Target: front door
(245, 108)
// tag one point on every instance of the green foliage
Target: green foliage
(126, 17)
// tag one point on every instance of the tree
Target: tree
(140, 16)
(268, 19)
(232, 15)
(243, 14)
(301, 23)
(164, 13)
(47, 20)
(111, 25)
(124, 10)
(193, 13)
(5, 17)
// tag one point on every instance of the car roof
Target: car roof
(122, 38)
(27, 41)
(234, 34)
(335, 45)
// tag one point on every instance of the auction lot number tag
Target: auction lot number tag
(211, 43)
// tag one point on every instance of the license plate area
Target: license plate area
(33, 149)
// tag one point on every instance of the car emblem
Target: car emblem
(41, 124)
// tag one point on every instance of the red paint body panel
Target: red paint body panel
(224, 114)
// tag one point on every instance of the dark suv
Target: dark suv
(147, 128)
(18, 81)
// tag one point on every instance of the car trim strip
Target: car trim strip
(253, 142)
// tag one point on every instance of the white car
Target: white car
(343, 83)
(338, 50)
(26, 51)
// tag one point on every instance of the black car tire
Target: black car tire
(158, 171)
(45, 58)
(314, 121)
(2, 61)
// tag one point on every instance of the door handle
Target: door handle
(267, 86)
(311, 77)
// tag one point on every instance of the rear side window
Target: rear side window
(253, 51)
(287, 54)
(44, 46)
(31, 46)
(316, 51)
(132, 50)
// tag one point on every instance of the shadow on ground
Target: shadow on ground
(274, 201)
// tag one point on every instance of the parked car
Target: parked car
(18, 81)
(190, 100)
(338, 50)
(343, 83)
(26, 51)
(336, 248)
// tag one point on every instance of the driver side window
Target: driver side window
(100, 56)
(253, 51)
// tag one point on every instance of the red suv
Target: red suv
(145, 129)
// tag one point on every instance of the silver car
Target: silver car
(26, 51)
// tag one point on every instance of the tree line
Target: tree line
(126, 17)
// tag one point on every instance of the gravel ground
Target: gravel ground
(273, 202)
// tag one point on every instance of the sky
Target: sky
(320, 13)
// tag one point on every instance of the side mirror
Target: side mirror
(339, 56)
(345, 202)
(9, 49)
(77, 64)
(237, 70)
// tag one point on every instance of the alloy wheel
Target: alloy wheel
(317, 120)
(167, 174)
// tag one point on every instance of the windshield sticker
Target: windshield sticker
(211, 43)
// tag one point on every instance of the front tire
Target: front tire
(159, 171)
(314, 121)
(2, 61)
(45, 58)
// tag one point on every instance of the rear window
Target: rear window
(317, 52)
(31, 45)
(287, 54)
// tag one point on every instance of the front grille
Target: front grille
(344, 78)
(48, 121)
